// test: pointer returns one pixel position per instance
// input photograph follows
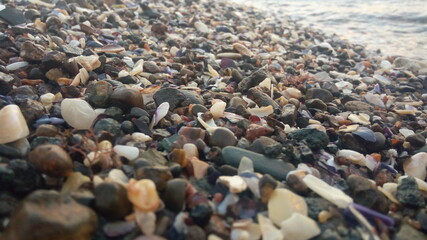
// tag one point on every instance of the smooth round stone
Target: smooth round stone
(358, 106)
(190, 150)
(416, 140)
(51, 160)
(128, 152)
(160, 175)
(47, 130)
(283, 203)
(59, 215)
(111, 201)
(320, 93)
(174, 196)
(126, 98)
(12, 124)
(223, 137)
(266, 146)
(77, 113)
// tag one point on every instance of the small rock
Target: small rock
(12, 124)
(126, 98)
(111, 201)
(416, 140)
(173, 96)
(255, 131)
(319, 93)
(315, 139)
(74, 222)
(174, 196)
(77, 113)
(289, 114)
(291, 227)
(98, 93)
(158, 174)
(6, 83)
(111, 126)
(31, 52)
(409, 194)
(283, 203)
(223, 137)
(316, 103)
(358, 106)
(266, 146)
(51, 160)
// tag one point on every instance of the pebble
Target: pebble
(75, 221)
(12, 124)
(408, 193)
(77, 113)
(111, 201)
(174, 196)
(143, 195)
(319, 93)
(131, 153)
(283, 203)
(415, 166)
(126, 98)
(223, 137)
(51, 160)
(291, 227)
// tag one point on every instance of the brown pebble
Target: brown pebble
(51, 160)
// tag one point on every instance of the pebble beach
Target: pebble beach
(198, 119)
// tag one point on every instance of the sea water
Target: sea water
(395, 27)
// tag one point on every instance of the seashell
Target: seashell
(128, 152)
(140, 137)
(110, 49)
(161, 112)
(16, 66)
(334, 195)
(143, 195)
(374, 100)
(382, 79)
(406, 132)
(361, 118)
(209, 125)
(406, 112)
(137, 69)
(389, 195)
(75, 82)
(236, 184)
(268, 230)
(291, 227)
(200, 168)
(123, 73)
(90, 63)
(348, 128)
(229, 55)
(77, 113)
(12, 124)
(416, 165)
(242, 49)
(366, 134)
(39, 25)
(352, 156)
(212, 71)
(283, 203)
(232, 117)
(217, 109)
(262, 111)
(266, 83)
(47, 99)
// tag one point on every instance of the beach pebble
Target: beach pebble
(128, 152)
(416, 165)
(223, 137)
(51, 160)
(291, 227)
(174, 196)
(12, 124)
(111, 201)
(78, 113)
(143, 195)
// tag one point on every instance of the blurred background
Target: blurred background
(396, 27)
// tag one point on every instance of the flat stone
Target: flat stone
(358, 106)
(319, 93)
(262, 164)
(315, 139)
(283, 203)
(223, 137)
(173, 96)
(75, 221)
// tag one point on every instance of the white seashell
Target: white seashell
(266, 83)
(77, 79)
(212, 71)
(236, 184)
(16, 66)
(268, 230)
(161, 112)
(416, 165)
(90, 63)
(41, 3)
(137, 70)
(291, 227)
(208, 125)
(242, 49)
(12, 124)
(406, 132)
(334, 195)
(262, 111)
(77, 113)
(84, 75)
(140, 137)
(283, 203)
(352, 156)
(47, 99)
(128, 152)
(123, 73)
(217, 109)
(391, 188)
(374, 100)
(361, 118)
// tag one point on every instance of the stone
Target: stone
(267, 184)
(358, 106)
(71, 50)
(151, 67)
(160, 175)
(223, 137)
(193, 97)
(73, 183)
(174, 196)
(365, 193)
(129, 152)
(316, 103)
(266, 146)
(255, 131)
(111, 201)
(289, 114)
(51, 160)
(12, 124)
(143, 195)
(53, 59)
(77, 113)
(236, 184)
(108, 125)
(22, 93)
(217, 109)
(283, 203)
(409, 194)
(262, 164)
(31, 52)
(408, 232)
(319, 93)
(32, 110)
(416, 140)
(173, 96)
(291, 227)
(268, 230)
(261, 98)
(75, 221)
(126, 98)
(6, 83)
(98, 93)
(315, 139)
(253, 80)
(201, 214)
(13, 16)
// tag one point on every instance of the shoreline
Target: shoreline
(203, 120)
